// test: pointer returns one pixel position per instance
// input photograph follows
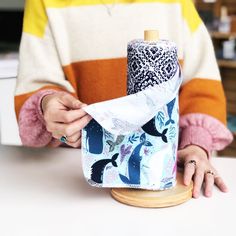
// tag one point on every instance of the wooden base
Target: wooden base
(154, 199)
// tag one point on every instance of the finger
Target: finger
(198, 180)
(76, 144)
(71, 102)
(69, 129)
(76, 126)
(74, 138)
(52, 128)
(209, 183)
(220, 184)
(57, 135)
(189, 171)
(66, 117)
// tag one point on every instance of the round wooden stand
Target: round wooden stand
(154, 199)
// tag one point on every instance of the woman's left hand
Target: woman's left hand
(198, 167)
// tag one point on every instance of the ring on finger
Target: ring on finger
(210, 172)
(192, 162)
(63, 139)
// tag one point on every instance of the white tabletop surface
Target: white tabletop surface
(43, 192)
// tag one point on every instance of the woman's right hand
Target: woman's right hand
(64, 116)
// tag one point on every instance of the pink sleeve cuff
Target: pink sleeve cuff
(32, 127)
(204, 131)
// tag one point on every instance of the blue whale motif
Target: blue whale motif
(94, 137)
(150, 128)
(134, 163)
(99, 166)
(170, 107)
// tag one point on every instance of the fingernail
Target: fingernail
(208, 194)
(225, 190)
(186, 183)
(196, 194)
(186, 180)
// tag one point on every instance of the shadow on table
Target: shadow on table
(49, 171)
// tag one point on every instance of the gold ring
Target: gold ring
(191, 162)
(210, 172)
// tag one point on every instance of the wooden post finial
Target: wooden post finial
(151, 35)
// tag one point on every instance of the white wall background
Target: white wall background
(8, 126)
(9, 134)
(11, 4)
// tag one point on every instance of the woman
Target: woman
(73, 53)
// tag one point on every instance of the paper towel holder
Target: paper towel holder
(154, 199)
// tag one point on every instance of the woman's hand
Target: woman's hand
(64, 116)
(198, 167)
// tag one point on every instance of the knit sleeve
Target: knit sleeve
(202, 98)
(204, 131)
(32, 128)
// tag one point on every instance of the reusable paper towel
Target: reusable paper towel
(132, 141)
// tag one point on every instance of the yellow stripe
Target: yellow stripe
(35, 19)
(190, 15)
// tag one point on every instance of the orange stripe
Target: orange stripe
(98, 80)
(21, 99)
(203, 96)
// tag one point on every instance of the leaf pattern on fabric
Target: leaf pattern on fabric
(124, 151)
(172, 132)
(133, 138)
(161, 119)
(107, 135)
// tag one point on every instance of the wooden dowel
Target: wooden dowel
(151, 35)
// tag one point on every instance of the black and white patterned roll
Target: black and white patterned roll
(150, 64)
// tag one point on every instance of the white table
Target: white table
(43, 192)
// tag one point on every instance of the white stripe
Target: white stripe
(88, 32)
(199, 57)
(39, 65)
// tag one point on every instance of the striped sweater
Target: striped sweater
(79, 46)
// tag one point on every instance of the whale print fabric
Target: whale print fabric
(144, 159)
(132, 141)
